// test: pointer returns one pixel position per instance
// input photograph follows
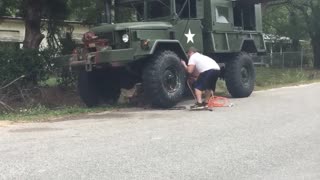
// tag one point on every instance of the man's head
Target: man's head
(191, 51)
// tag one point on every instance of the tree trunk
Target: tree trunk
(316, 52)
(33, 36)
(108, 11)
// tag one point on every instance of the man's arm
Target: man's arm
(189, 68)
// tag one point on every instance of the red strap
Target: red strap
(217, 101)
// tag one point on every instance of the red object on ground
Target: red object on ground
(218, 101)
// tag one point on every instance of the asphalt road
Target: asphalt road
(273, 134)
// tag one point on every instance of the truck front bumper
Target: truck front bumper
(111, 57)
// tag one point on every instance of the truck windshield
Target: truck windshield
(158, 9)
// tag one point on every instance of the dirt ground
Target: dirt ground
(55, 97)
(5, 123)
(50, 97)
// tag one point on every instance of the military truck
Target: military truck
(149, 51)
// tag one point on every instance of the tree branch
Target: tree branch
(1, 88)
(7, 107)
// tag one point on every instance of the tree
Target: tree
(32, 16)
(83, 10)
(309, 10)
(280, 20)
(33, 11)
(297, 19)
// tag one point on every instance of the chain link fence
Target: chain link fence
(299, 59)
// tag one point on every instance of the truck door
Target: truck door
(188, 27)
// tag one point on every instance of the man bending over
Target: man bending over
(209, 73)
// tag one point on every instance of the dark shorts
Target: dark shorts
(207, 80)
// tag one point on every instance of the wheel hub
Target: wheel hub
(245, 76)
(170, 80)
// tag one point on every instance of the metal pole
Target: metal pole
(283, 65)
(301, 58)
(271, 55)
(190, 88)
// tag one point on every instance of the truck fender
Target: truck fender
(173, 45)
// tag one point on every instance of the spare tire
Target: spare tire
(240, 76)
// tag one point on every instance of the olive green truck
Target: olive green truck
(149, 50)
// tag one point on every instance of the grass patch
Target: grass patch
(51, 82)
(42, 113)
(267, 78)
(277, 77)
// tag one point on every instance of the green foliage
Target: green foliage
(298, 20)
(55, 11)
(10, 7)
(282, 21)
(67, 44)
(67, 79)
(125, 14)
(309, 10)
(90, 12)
(14, 63)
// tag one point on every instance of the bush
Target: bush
(37, 67)
(33, 64)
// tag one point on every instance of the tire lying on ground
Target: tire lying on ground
(96, 88)
(240, 76)
(164, 79)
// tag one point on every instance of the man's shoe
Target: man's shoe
(205, 104)
(198, 106)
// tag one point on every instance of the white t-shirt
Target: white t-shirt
(203, 63)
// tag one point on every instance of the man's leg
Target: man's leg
(208, 95)
(199, 105)
(198, 95)
(211, 80)
(208, 85)
(215, 77)
(198, 88)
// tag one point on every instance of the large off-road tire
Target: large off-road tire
(109, 86)
(240, 76)
(96, 88)
(164, 80)
(88, 89)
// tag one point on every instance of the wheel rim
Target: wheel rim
(170, 80)
(245, 76)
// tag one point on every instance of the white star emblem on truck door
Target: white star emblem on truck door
(190, 36)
